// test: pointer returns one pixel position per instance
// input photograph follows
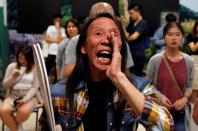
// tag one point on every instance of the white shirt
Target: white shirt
(52, 32)
(25, 81)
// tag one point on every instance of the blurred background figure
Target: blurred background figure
(159, 42)
(101, 7)
(136, 34)
(63, 55)
(54, 35)
(21, 80)
(172, 72)
(192, 40)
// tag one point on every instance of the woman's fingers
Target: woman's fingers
(115, 65)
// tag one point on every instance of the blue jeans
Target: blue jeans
(179, 120)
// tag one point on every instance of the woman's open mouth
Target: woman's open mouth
(104, 57)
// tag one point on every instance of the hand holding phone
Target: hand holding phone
(18, 102)
(16, 73)
(22, 69)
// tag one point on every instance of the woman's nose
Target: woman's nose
(106, 38)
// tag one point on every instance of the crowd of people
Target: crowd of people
(91, 71)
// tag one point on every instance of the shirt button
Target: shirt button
(109, 103)
(110, 124)
(67, 124)
(123, 122)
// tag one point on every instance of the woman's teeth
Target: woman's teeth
(104, 54)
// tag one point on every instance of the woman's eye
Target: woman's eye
(170, 34)
(116, 34)
(178, 34)
(98, 34)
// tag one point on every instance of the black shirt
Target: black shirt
(137, 46)
(95, 117)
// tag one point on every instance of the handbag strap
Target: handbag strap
(173, 76)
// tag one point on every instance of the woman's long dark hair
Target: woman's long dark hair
(81, 69)
(28, 53)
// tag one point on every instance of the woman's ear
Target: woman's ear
(83, 51)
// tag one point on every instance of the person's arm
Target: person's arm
(59, 62)
(156, 117)
(158, 37)
(141, 28)
(181, 103)
(68, 68)
(133, 36)
(150, 113)
(11, 76)
(33, 90)
(150, 72)
(191, 72)
(48, 38)
(59, 58)
(123, 24)
(120, 80)
(193, 46)
(130, 92)
(70, 56)
(58, 73)
(130, 37)
(60, 35)
(63, 34)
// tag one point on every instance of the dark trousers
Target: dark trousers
(138, 67)
(50, 63)
(179, 120)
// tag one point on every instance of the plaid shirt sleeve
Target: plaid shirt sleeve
(156, 117)
(59, 105)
